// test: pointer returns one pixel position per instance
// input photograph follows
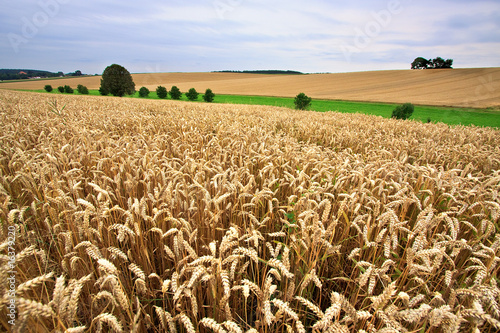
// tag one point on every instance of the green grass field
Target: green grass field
(447, 115)
(451, 116)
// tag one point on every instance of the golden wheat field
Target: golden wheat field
(127, 215)
(463, 87)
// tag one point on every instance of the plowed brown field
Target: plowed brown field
(475, 87)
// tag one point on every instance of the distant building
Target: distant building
(23, 73)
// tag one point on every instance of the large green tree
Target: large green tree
(117, 81)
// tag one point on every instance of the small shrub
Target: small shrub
(68, 89)
(209, 96)
(143, 92)
(428, 120)
(403, 111)
(82, 89)
(192, 94)
(175, 93)
(48, 88)
(161, 92)
(302, 101)
(61, 89)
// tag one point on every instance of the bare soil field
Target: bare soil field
(474, 87)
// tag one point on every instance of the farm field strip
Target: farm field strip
(424, 113)
(147, 216)
(474, 87)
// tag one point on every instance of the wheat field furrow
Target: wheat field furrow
(163, 216)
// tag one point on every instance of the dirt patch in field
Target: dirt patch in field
(475, 87)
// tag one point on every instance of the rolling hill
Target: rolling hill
(472, 87)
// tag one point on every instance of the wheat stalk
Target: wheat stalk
(395, 221)
(109, 319)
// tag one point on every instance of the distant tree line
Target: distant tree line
(22, 74)
(422, 63)
(75, 73)
(272, 71)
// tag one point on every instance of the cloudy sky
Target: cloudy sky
(209, 35)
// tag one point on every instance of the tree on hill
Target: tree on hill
(76, 73)
(266, 71)
(116, 80)
(422, 63)
(441, 63)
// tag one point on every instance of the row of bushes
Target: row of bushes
(67, 89)
(301, 101)
(176, 94)
(162, 92)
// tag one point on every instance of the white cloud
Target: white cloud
(315, 36)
